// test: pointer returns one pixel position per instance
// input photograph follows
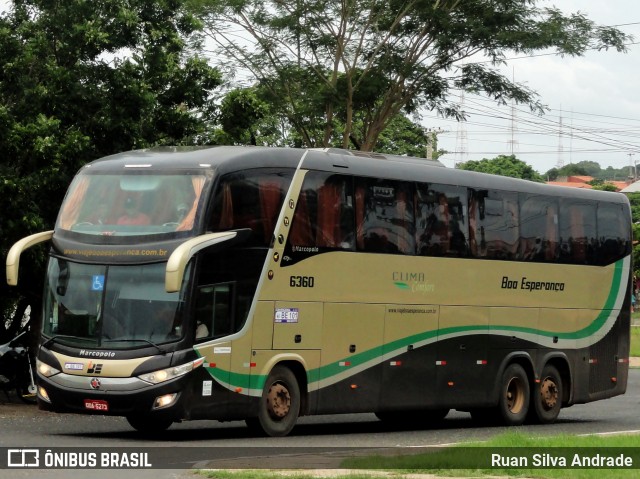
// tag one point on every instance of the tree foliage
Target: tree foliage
(503, 165)
(82, 79)
(590, 168)
(347, 68)
(251, 116)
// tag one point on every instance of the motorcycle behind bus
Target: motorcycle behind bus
(16, 369)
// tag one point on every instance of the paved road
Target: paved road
(25, 426)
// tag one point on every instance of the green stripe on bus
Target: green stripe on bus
(335, 368)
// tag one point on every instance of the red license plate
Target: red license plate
(96, 405)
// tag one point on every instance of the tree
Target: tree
(404, 137)
(505, 166)
(80, 80)
(634, 200)
(347, 68)
(590, 168)
(602, 185)
(582, 168)
(250, 116)
(240, 114)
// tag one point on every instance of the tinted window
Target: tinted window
(577, 231)
(384, 216)
(132, 204)
(441, 223)
(250, 199)
(226, 282)
(538, 228)
(324, 213)
(613, 233)
(493, 224)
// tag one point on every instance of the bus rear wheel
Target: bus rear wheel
(148, 424)
(279, 405)
(547, 396)
(513, 403)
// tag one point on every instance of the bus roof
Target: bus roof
(225, 159)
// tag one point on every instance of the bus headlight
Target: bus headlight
(173, 372)
(46, 370)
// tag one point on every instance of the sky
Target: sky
(593, 101)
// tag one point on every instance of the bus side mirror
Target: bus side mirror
(13, 258)
(182, 254)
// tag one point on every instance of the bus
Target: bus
(265, 284)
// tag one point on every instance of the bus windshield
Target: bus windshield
(118, 307)
(131, 203)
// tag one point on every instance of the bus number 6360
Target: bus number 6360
(301, 281)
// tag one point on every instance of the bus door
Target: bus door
(408, 374)
(212, 319)
(462, 356)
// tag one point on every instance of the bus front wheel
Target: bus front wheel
(547, 396)
(513, 403)
(279, 405)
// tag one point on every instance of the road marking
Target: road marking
(611, 433)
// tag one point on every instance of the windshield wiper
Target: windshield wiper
(133, 340)
(52, 339)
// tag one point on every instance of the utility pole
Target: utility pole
(632, 174)
(513, 143)
(560, 162)
(431, 134)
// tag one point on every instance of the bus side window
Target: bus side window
(538, 228)
(613, 228)
(384, 216)
(214, 311)
(251, 199)
(552, 247)
(441, 220)
(577, 231)
(495, 224)
(324, 213)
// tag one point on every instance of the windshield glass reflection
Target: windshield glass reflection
(114, 307)
(124, 205)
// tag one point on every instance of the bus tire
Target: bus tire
(513, 402)
(279, 405)
(147, 424)
(546, 396)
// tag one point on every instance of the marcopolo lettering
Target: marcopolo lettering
(97, 354)
(530, 285)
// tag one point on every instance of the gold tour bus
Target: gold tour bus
(265, 284)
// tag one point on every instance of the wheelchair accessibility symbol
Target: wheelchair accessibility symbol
(97, 284)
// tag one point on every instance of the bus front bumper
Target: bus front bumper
(113, 396)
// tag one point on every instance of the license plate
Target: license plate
(96, 405)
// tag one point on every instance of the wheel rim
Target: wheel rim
(515, 395)
(548, 393)
(278, 401)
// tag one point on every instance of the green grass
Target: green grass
(635, 341)
(473, 459)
